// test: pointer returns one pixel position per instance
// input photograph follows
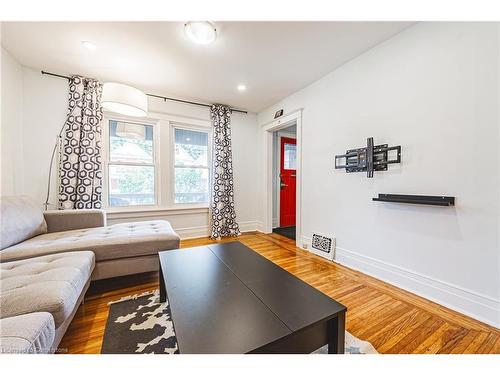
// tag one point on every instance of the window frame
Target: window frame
(107, 161)
(197, 128)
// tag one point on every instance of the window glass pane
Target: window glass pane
(290, 156)
(191, 185)
(131, 185)
(191, 148)
(130, 142)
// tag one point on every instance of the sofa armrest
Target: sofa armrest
(63, 220)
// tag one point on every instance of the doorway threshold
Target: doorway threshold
(288, 232)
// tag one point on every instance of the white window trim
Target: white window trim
(187, 126)
(164, 168)
(107, 162)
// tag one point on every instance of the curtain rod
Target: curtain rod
(165, 98)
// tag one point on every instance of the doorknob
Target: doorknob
(283, 185)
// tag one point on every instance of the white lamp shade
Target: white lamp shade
(124, 99)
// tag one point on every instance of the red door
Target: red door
(288, 173)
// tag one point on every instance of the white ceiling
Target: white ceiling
(273, 59)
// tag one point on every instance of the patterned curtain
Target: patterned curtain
(80, 166)
(223, 212)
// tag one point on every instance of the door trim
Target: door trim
(267, 160)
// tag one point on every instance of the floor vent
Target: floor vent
(323, 246)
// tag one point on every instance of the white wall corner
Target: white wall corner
(248, 226)
(259, 227)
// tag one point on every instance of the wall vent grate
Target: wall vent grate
(323, 245)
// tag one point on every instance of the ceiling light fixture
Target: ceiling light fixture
(124, 99)
(241, 88)
(201, 32)
(89, 45)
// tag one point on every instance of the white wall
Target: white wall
(12, 124)
(44, 107)
(44, 111)
(434, 90)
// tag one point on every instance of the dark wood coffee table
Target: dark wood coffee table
(226, 298)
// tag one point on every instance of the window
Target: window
(191, 168)
(290, 156)
(131, 164)
(157, 161)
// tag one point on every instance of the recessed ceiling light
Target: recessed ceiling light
(188, 139)
(89, 45)
(201, 32)
(241, 88)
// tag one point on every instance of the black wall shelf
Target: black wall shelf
(433, 200)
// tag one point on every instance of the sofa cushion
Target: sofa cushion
(51, 283)
(21, 219)
(28, 333)
(112, 242)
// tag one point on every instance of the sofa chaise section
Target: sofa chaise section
(55, 284)
(119, 249)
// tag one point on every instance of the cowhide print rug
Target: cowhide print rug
(139, 323)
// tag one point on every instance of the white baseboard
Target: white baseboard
(248, 226)
(473, 304)
(259, 226)
(204, 231)
(192, 232)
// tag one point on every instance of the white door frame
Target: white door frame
(267, 136)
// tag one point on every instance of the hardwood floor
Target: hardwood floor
(393, 320)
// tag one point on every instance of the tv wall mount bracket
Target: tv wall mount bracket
(370, 158)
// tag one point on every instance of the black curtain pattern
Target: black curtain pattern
(80, 165)
(223, 213)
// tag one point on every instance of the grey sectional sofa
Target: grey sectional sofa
(49, 258)
(51, 284)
